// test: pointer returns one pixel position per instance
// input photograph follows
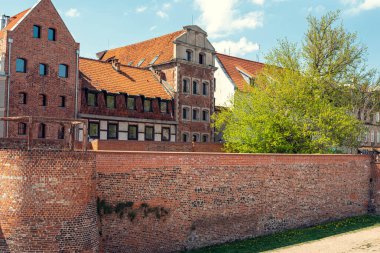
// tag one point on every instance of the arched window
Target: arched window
(185, 86)
(189, 55)
(61, 132)
(195, 138)
(41, 131)
(205, 138)
(202, 58)
(195, 88)
(205, 89)
(185, 137)
(196, 114)
(186, 113)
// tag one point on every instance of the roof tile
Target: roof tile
(13, 21)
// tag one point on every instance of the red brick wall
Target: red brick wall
(224, 197)
(52, 53)
(377, 188)
(114, 145)
(47, 202)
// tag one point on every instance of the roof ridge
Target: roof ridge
(144, 41)
(240, 58)
(108, 63)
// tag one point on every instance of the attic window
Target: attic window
(154, 60)
(140, 62)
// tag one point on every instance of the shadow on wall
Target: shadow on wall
(3, 243)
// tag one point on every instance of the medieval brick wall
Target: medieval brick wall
(47, 202)
(376, 189)
(223, 197)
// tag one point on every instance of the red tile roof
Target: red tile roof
(163, 47)
(13, 21)
(130, 80)
(234, 66)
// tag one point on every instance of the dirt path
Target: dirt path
(367, 240)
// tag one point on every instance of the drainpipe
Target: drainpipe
(76, 86)
(10, 41)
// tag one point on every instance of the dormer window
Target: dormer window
(36, 32)
(110, 100)
(202, 58)
(189, 55)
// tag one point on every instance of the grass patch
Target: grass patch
(292, 237)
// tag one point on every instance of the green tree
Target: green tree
(306, 99)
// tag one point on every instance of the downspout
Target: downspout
(10, 41)
(76, 86)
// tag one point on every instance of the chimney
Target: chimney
(116, 65)
(4, 21)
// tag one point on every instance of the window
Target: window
(110, 100)
(132, 132)
(195, 114)
(63, 71)
(185, 137)
(378, 137)
(205, 89)
(42, 99)
(195, 137)
(22, 98)
(154, 60)
(185, 86)
(140, 62)
(41, 131)
(51, 34)
(164, 107)
(195, 88)
(165, 134)
(62, 101)
(21, 128)
(149, 133)
(378, 117)
(112, 133)
(186, 113)
(20, 65)
(92, 99)
(205, 138)
(61, 133)
(43, 69)
(202, 58)
(189, 55)
(205, 115)
(372, 136)
(131, 103)
(93, 129)
(36, 31)
(148, 105)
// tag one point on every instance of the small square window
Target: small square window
(21, 128)
(164, 107)
(112, 132)
(51, 34)
(43, 69)
(92, 99)
(20, 65)
(93, 129)
(63, 71)
(149, 133)
(22, 98)
(111, 102)
(148, 105)
(131, 103)
(62, 101)
(165, 134)
(132, 132)
(36, 31)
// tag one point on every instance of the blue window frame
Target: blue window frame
(43, 69)
(36, 31)
(51, 34)
(63, 71)
(20, 65)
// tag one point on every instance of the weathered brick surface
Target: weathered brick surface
(214, 198)
(155, 146)
(47, 202)
(377, 188)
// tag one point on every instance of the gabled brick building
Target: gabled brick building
(38, 75)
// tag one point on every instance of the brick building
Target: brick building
(38, 76)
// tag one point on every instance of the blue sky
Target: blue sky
(245, 28)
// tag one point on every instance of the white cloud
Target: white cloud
(141, 9)
(258, 2)
(236, 48)
(357, 6)
(72, 13)
(166, 6)
(152, 28)
(222, 18)
(162, 14)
